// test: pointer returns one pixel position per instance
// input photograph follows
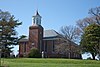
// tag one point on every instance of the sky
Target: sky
(55, 13)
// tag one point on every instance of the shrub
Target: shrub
(34, 53)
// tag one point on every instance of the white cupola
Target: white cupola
(36, 19)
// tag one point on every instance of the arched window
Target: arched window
(34, 20)
(37, 21)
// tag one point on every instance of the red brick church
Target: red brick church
(45, 41)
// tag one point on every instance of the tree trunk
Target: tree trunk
(69, 55)
(93, 56)
(70, 49)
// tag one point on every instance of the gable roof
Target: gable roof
(47, 35)
(24, 39)
(50, 33)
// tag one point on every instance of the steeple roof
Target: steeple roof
(37, 13)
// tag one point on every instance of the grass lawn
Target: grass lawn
(35, 62)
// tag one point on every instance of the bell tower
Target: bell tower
(36, 33)
(36, 20)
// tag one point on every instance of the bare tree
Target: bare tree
(94, 18)
(95, 13)
(68, 35)
(66, 49)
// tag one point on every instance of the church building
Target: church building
(44, 40)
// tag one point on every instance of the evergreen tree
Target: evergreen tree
(90, 41)
(8, 32)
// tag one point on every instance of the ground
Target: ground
(38, 62)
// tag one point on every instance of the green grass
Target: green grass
(33, 62)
